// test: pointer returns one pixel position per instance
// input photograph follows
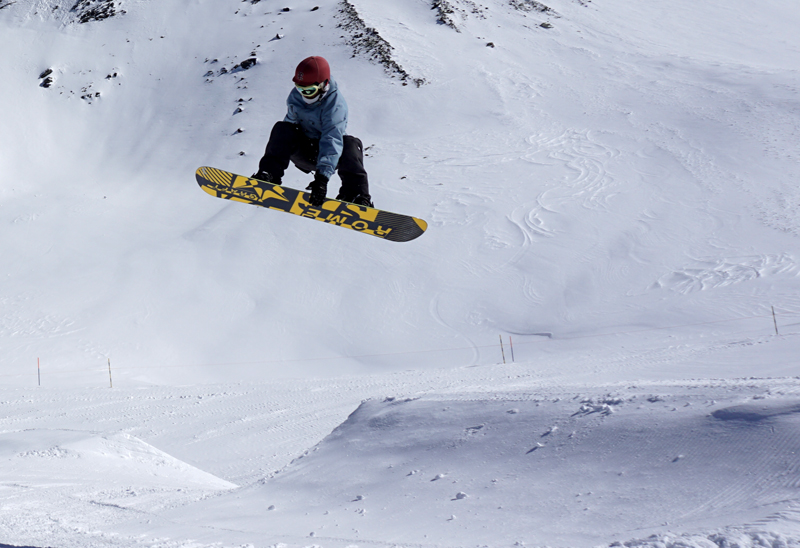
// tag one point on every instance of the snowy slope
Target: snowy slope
(612, 185)
(476, 457)
(599, 176)
(550, 472)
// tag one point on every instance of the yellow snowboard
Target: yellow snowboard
(383, 224)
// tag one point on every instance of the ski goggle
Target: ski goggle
(309, 91)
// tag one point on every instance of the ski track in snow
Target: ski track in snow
(711, 274)
(584, 160)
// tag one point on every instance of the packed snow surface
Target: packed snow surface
(612, 195)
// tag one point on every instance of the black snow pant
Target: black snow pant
(288, 142)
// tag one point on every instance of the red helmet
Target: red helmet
(313, 70)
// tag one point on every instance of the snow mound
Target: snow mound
(756, 412)
(574, 471)
(68, 484)
(731, 539)
(45, 458)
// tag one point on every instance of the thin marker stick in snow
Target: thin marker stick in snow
(775, 321)
(502, 350)
(110, 382)
(39, 371)
(511, 344)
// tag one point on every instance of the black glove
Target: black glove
(318, 188)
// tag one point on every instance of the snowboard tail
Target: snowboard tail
(369, 220)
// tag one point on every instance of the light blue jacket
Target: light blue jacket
(325, 120)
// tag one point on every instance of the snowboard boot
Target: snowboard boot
(362, 201)
(358, 199)
(265, 176)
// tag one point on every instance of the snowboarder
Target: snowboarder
(312, 136)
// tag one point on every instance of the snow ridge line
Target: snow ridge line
(368, 41)
(533, 5)
(445, 12)
(94, 10)
(549, 336)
